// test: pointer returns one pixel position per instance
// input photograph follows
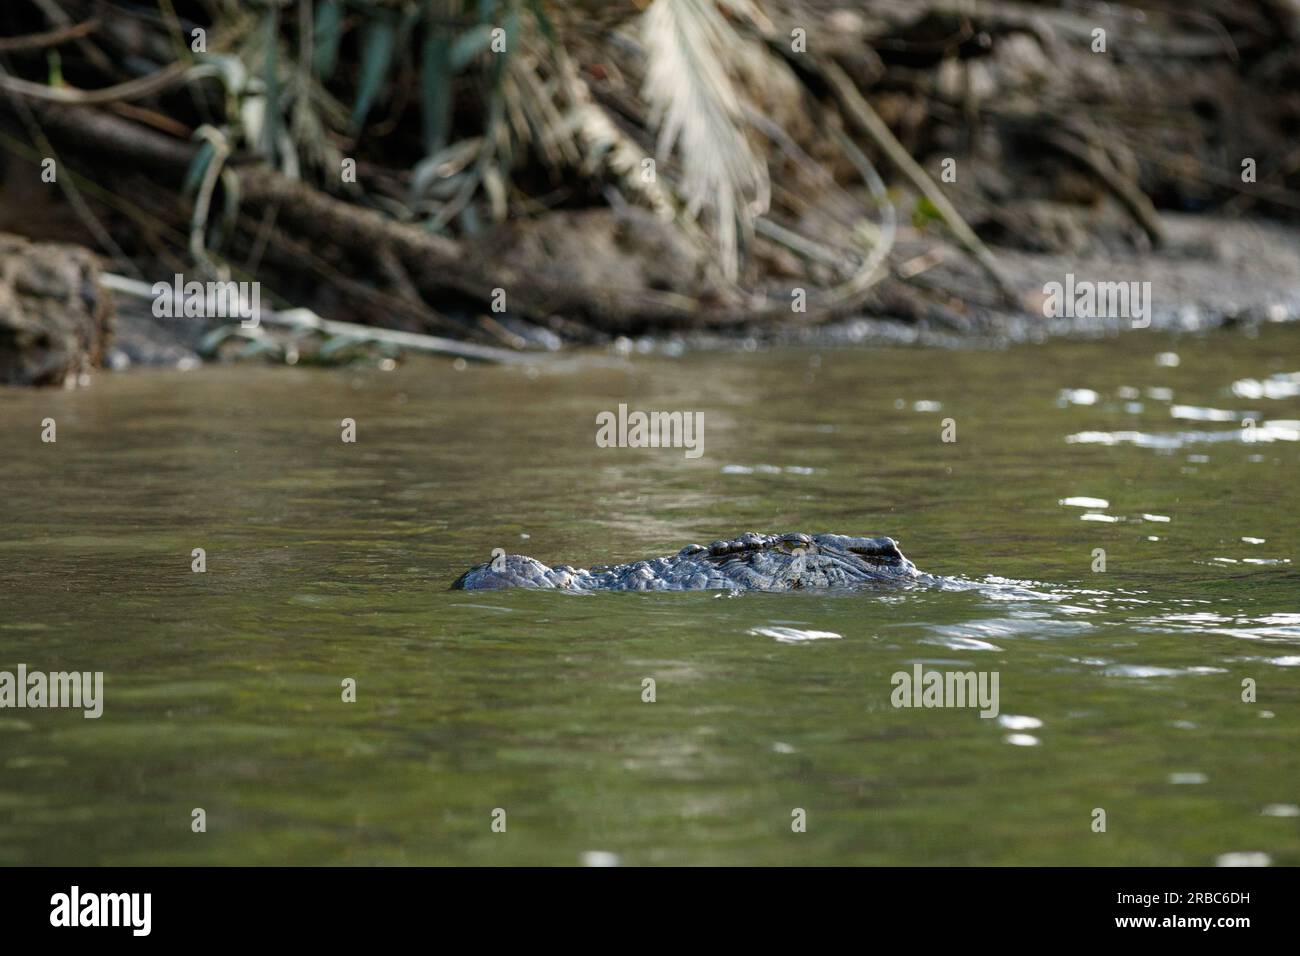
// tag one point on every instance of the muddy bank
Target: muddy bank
(56, 324)
(920, 169)
(1210, 272)
(56, 319)
(684, 172)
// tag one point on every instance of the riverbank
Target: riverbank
(1209, 273)
(528, 176)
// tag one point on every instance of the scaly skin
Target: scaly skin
(752, 562)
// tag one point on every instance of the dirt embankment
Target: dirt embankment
(922, 170)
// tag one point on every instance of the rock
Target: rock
(55, 319)
(599, 248)
(139, 338)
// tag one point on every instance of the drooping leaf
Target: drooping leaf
(377, 45)
(435, 88)
(691, 51)
(543, 21)
(470, 223)
(327, 31)
(198, 166)
(469, 45)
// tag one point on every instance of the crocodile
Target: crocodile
(751, 562)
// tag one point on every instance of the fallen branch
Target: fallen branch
(413, 309)
(436, 263)
(307, 320)
(70, 95)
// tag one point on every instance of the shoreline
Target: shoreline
(1212, 272)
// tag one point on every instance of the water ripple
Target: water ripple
(794, 635)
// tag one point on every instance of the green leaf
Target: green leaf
(55, 64)
(543, 22)
(378, 42)
(328, 31)
(435, 89)
(470, 222)
(925, 212)
(198, 166)
(469, 45)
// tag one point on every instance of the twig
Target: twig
(1177, 163)
(924, 262)
(39, 41)
(866, 118)
(306, 319)
(54, 13)
(203, 200)
(413, 309)
(869, 273)
(800, 246)
(1289, 164)
(152, 118)
(130, 90)
(1095, 159)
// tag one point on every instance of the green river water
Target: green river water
(1120, 690)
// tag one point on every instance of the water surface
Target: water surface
(1119, 689)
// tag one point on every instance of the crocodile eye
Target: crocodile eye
(886, 552)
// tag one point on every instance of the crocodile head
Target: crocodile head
(859, 557)
(513, 571)
(800, 561)
(753, 561)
